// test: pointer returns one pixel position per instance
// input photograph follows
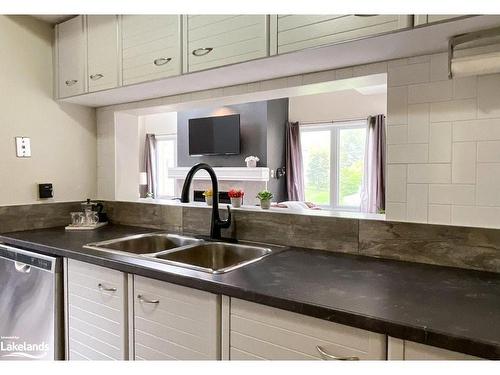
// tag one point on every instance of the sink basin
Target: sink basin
(214, 257)
(144, 243)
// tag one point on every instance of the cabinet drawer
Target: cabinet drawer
(151, 47)
(96, 312)
(221, 40)
(174, 322)
(296, 32)
(262, 332)
(411, 351)
(71, 44)
(102, 52)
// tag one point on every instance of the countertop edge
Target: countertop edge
(417, 334)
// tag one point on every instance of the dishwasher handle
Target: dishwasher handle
(22, 267)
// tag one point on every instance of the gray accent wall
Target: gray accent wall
(262, 129)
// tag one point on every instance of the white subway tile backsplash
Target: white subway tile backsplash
(440, 142)
(408, 74)
(476, 130)
(488, 151)
(328, 75)
(396, 183)
(439, 67)
(418, 123)
(409, 153)
(478, 216)
(439, 214)
(452, 194)
(429, 173)
(488, 94)
(397, 105)
(453, 110)
(430, 92)
(397, 134)
(463, 165)
(488, 184)
(395, 211)
(417, 202)
(375, 68)
(464, 88)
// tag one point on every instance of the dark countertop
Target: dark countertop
(441, 306)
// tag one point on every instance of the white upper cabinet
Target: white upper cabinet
(174, 322)
(70, 60)
(103, 52)
(423, 19)
(296, 32)
(151, 47)
(262, 332)
(216, 40)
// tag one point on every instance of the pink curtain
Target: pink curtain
(373, 190)
(294, 168)
(150, 163)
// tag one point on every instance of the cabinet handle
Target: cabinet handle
(95, 77)
(162, 61)
(327, 356)
(71, 82)
(145, 300)
(202, 51)
(104, 289)
(365, 15)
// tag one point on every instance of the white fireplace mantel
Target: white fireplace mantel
(224, 173)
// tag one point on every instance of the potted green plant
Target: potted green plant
(265, 199)
(236, 196)
(208, 194)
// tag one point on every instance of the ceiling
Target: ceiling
(53, 18)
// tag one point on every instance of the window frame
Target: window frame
(335, 127)
(162, 138)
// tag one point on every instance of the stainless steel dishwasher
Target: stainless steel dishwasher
(31, 313)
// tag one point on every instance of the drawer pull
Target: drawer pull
(105, 289)
(202, 51)
(95, 77)
(145, 300)
(365, 15)
(162, 61)
(327, 356)
(71, 82)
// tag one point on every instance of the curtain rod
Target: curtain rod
(333, 121)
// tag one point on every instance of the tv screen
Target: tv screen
(214, 135)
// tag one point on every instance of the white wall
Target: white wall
(63, 136)
(337, 105)
(127, 162)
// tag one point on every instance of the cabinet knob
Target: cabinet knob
(162, 61)
(141, 298)
(327, 356)
(202, 51)
(95, 77)
(71, 82)
(105, 289)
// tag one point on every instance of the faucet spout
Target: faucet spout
(216, 223)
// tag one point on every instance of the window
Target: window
(333, 156)
(166, 157)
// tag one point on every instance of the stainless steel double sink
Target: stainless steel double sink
(188, 252)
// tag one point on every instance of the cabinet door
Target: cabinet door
(296, 32)
(412, 351)
(423, 19)
(103, 52)
(151, 47)
(97, 328)
(70, 40)
(216, 40)
(175, 322)
(262, 332)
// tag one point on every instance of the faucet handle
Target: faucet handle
(227, 223)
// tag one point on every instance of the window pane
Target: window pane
(166, 159)
(351, 164)
(316, 158)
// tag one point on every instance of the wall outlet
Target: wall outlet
(45, 191)
(23, 147)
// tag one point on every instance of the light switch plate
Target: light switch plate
(23, 147)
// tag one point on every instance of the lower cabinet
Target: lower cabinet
(174, 322)
(412, 351)
(261, 332)
(96, 312)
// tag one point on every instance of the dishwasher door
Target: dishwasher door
(31, 314)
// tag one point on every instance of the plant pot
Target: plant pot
(265, 204)
(209, 200)
(236, 202)
(251, 163)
